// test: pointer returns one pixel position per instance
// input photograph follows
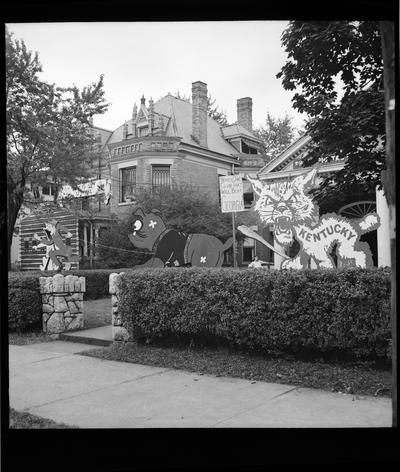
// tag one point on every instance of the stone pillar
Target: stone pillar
(119, 332)
(62, 303)
(383, 231)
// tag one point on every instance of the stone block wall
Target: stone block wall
(62, 303)
(119, 332)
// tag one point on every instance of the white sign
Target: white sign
(231, 188)
(87, 189)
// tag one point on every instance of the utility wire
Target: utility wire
(117, 248)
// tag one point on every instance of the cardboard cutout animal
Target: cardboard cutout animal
(56, 247)
(293, 214)
(174, 248)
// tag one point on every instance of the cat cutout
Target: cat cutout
(288, 207)
(174, 248)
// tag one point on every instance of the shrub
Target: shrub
(24, 302)
(346, 312)
(115, 248)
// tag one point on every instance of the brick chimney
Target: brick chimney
(199, 112)
(245, 112)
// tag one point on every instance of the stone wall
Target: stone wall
(118, 331)
(62, 303)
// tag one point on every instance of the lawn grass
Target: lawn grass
(23, 420)
(97, 312)
(362, 378)
(21, 339)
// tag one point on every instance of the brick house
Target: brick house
(174, 142)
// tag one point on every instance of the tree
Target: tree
(116, 250)
(277, 134)
(187, 208)
(49, 134)
(215, 112)
(327, 59)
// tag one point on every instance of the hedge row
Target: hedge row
(345, 312)
(24, 302)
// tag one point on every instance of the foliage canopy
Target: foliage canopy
(49, 135)
(277, 134)
(335, 69)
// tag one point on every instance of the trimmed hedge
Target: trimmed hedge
(24, 302)
(341, 312)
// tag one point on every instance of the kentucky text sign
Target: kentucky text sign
(290, 210)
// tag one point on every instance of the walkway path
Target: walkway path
(50, 380)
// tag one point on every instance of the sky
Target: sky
(234, 58)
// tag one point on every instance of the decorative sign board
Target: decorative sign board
(41, 237)
(87, 189)
(58, 251)
(293, 214)
(231, 189)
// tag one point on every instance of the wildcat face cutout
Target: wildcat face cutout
(288, 207)
(286, 204)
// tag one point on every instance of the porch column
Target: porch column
(96, 238)
(85, 241)
(383, 233)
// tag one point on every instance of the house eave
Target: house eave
(284, 174)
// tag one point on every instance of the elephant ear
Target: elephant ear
(256, 184)
(306, 181)
(139, 212)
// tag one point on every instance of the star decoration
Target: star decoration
(203, 259)
(152, 223)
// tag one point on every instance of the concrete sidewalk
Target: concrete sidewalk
(50, 380)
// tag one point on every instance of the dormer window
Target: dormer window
(246, 149)
(144, 131)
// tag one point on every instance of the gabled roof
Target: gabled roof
(142, 115)
(286, 155)
(104, 134)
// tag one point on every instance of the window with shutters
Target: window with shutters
(127, 184)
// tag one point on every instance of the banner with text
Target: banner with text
(231, 189)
